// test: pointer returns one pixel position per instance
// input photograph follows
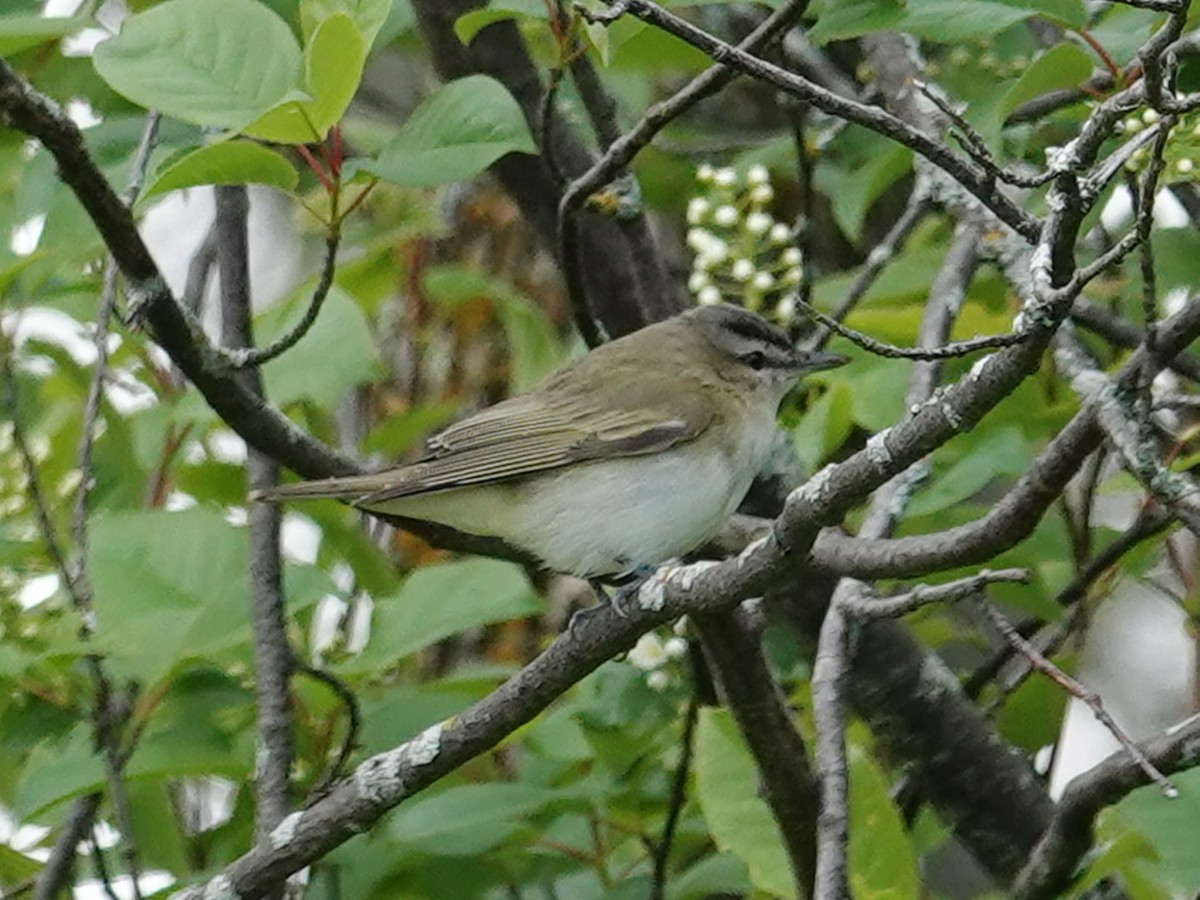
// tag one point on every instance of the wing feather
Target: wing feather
(525, 436)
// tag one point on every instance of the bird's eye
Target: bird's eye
(755, 359)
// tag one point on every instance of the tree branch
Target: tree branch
(745, 684)
(1057, 855)
(607, 261)
(878, 120)
(272, 653)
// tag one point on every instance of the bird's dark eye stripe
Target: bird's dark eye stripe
(754, 330)
(757, 359)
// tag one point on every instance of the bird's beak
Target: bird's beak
(815, 362)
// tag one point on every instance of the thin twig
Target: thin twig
(546, 118)
(1054, 861)
(891, 351)
(662, 850)
(91, 408)
(869, 607)
(1151, 522)
(101, 866)
(353, 726)
(1104, 171)
(1167, 6)
(660, 296)
(829, 675)
(76, 826)
(880, 255)
(805, 172)
(874, 118)
(272, 653)
(199, 270)
(251, 357)
(1178, 401)
(79, 590)
(1145, 220)
(831, 665)
(1123, 333)
(621, 151)
(33, 487)
(1076, 690)
(151, 302)
(1140, 454)
(972, 141)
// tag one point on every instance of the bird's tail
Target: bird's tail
(350, 488)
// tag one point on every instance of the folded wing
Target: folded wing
(514, 439)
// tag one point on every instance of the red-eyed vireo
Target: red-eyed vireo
(633, 454)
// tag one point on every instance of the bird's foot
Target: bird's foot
(627, 583)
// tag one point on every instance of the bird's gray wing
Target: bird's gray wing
(525, 436)
(516, 438)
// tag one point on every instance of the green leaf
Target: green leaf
(438, 601)
(717, 875)
(460, 130)
(854, 190)
(824, 426)
(230, 162)
(394, 716)
(947, 21)
(1121, 851)
(58, 770)
(472, 818)
(400, 432)
(1071, 13)
(1175, 252)
(1123, 30)
(16, 867)
(20, 32)
(1002, 452)
(182, 740)
(533, 345)
(333, 67)
(839, 20)
(471, 23)
(727, 790)
(1031, 717)
(882, 866)
(368, 15)
(878, 387)
(157, 829)
(220, 63)
(304, 372)
(189, 734)
(1065, 66)
(334, 60)
(1172, 827)
(180, 576)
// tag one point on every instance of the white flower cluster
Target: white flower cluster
(982, 56)
(653, 656)
(1182, 150)
(742, 252)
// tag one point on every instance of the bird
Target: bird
(629, 456)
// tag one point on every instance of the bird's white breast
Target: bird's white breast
(611, 516)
